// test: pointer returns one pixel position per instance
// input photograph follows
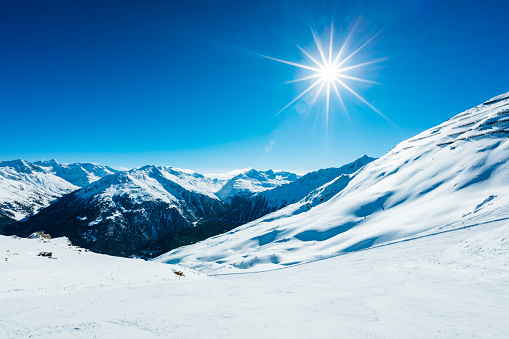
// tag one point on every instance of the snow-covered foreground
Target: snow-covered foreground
(448, 283)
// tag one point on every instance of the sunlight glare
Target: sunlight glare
(329, 73)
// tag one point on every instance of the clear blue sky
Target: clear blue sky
(181, 83)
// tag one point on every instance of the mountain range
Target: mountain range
(449, 176)
(147, 210)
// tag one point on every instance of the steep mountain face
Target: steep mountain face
(78, 174)
(120, 212)
(25, 188)
(315, 187)
(450, 176)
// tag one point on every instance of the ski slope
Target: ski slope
(454, 283)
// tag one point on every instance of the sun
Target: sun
(328, 72)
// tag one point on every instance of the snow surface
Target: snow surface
(449, 174)
(454, 283)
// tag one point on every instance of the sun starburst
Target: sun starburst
(328, 72)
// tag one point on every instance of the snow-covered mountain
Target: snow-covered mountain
(151, 210)
(121, 212)
(449, 176)
(27, 187)
(78, 174)
(253, 181)
(316, 187)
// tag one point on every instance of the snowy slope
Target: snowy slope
(448, 285)
(25, 188)
(192, 181)
(253, 181)
(71, 268)
(450, 174)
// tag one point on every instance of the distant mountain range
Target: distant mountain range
(144, 211)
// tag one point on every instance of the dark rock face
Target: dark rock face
(5, 220)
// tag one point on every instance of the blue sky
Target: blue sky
(182, 83)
